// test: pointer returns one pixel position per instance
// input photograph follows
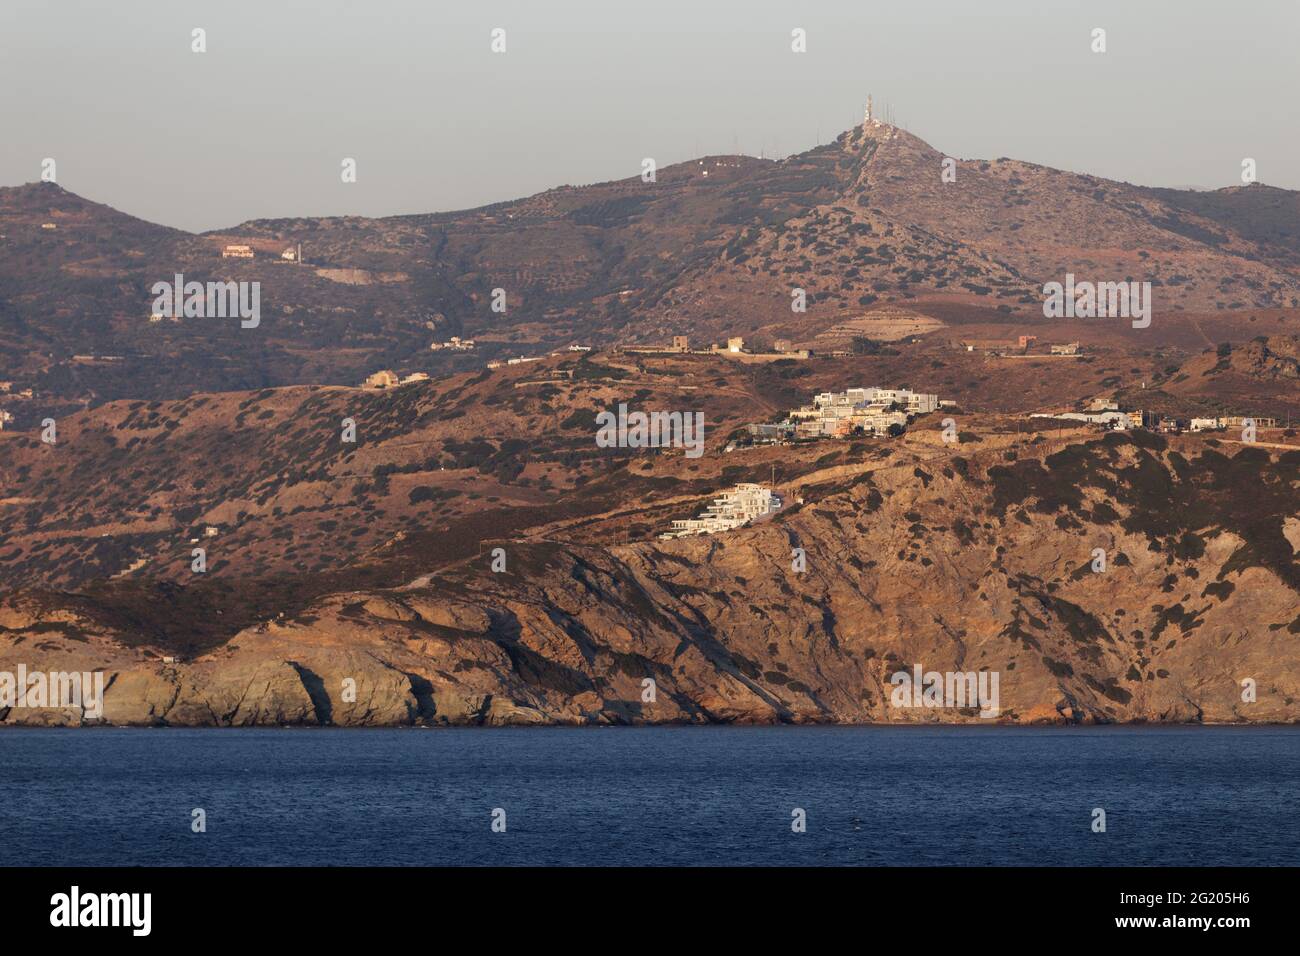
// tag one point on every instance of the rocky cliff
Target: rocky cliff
(982, 559)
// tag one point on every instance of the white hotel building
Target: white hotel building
(916, 403)
(732, 509)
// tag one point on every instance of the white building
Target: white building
(852, 411)
(237, 252)
(739, 506)
(916, 403)
(1111, 419)
(456, 343)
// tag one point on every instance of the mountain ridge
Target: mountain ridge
(327, 561)
(713, 246)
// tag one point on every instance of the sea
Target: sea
(652, 796)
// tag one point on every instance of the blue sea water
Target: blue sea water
(652, 796)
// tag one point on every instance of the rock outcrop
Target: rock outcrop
(977, 562)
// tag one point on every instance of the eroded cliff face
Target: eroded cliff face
(974, 562)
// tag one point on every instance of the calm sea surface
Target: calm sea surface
(657, 796)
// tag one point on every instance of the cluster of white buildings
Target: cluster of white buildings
(6, 388)
(916, 403)
(387, 378)
(1229, 421)
(739, 506)
(855, 410)
(455, 343)
(244, 251)
(1107, 419)
(1107, 413)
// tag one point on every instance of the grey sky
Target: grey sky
(257, 126)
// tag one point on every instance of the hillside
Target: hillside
(713, 247)
(130, 483)
(896, 231)
(974, 558)
(348, 533)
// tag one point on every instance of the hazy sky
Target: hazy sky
(258, 125)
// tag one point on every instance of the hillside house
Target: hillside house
(1108, 419)
(780, 431)
(1239, 421)
(455, 344)
(916, 403)
(873, 411)
(386, 378)
(989, 345)
(237, 252)
(739, 506)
